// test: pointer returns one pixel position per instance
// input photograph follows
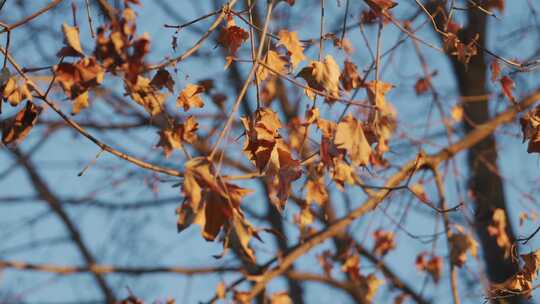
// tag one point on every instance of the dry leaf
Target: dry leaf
(304, 218)
(172, 137)
(508, 85)
(232, 36)
(497, 229)
(522, 281)
(15, 129)
(530, 127)
(342, 174)
(312, 115)
(215, 206)
(80, 102)
(221, 290)
(497, 4)
(189, 97)
(316, 191)
(384, 242)
(323, 77)
(422, 86)
(15, 93)
(381, 5)
(274, 64)
(433, 266)
(382, 119)
(161, 79)
(351, 267)
(349, 77)
(376, 91)
(495, 70)
(145, 95)
(325, 261)
(291, 42)
(350, 137)
(460, 244)
(265, 148)
(71, 38)
(370, 287)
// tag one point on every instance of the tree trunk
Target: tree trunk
(484, 182)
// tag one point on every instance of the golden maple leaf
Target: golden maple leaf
(189, 97)
(323, 76)
(291, 42)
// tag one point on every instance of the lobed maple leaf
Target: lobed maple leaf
(275, 62)
(382, 119)
(215, 206)
(77, 78)
(350, 137)
(189, 97)
(291, 42)
(172, 138)
(322, 76)
(143, 93)
(265, 148)
(232, 36)
(15, 92)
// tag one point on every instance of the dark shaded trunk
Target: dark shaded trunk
(484, 182)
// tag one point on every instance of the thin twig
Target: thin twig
(246, 83)
(33, 16)
(82, 131)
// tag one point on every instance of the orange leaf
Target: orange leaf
(316, 191)
(495, 70)
(189, 97)
(232, 37)
(384, 242)
(290, 41)
(15, 93)
(16, 129)
(350, 137)
(274, 61)
(322, 76)
(161, 79)
(508, 85)
(381, 5)
(349, 77)
(421, 86)
(71, 37)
